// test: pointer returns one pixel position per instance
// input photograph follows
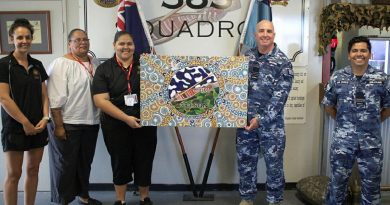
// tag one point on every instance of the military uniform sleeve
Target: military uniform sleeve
(330, 97)
(279, 97)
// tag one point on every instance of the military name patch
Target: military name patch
(375, 82)
(342, 82)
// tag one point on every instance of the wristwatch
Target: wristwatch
(46, 118)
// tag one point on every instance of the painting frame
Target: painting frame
(42, 30)
(194, 91)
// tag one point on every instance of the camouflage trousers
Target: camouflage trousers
(271, 145)
(369, 162)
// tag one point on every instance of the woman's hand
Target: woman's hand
(133, 122)
(59, 132)
(29, 128)
(41, 125)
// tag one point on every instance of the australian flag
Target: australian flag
(258, 10)
(129, 19)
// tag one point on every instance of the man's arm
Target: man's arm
(279, 95)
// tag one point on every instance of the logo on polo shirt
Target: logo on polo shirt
(36, 74)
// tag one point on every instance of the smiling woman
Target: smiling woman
(75, 130)
(24, 122)
(116, 90)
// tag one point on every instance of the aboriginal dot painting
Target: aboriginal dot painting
(194, 91)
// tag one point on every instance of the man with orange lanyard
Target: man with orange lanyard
(76, 122)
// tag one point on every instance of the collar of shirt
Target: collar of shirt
(265, 55)
(15, 62)
(370, 70)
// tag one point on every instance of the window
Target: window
(380, 54)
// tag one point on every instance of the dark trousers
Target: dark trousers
(131, 151)
(70, 162)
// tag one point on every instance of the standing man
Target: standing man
(270, 80)
(358, 98)
(76, 122)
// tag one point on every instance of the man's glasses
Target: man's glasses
(79, 40)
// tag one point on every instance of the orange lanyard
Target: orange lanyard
(89, 69)
(128, 73)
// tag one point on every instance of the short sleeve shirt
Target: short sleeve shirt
(359, 103)
(25, 89)
(112, 79)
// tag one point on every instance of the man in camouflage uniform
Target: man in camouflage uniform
(358, 98)
(270, 81)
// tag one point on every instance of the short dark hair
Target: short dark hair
(359, 39)
(70, 35)
(121, 33)
(20, 23)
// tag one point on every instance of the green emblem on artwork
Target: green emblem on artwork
(193, 90)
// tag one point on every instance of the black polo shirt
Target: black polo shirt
(112, 79)
(25, 90)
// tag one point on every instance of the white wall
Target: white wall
(302, 156)
(303, 141)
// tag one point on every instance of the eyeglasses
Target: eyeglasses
(79, 40)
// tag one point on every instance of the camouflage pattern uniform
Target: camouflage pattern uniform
(357, 132)
(270, 81)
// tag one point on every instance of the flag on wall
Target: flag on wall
(131, 19)
(258, 10)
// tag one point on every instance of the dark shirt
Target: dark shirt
(112, 79)
(25, 90)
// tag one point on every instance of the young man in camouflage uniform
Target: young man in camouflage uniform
(358, 98)
(270, 81)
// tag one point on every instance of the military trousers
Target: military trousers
(370, 162)
(249, 146)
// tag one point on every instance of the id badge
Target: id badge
(131, 99)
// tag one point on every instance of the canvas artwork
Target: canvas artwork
(194, 91)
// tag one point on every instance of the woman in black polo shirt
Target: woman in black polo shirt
(24, 113)
(116, 90)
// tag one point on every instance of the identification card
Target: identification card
(131, 99)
